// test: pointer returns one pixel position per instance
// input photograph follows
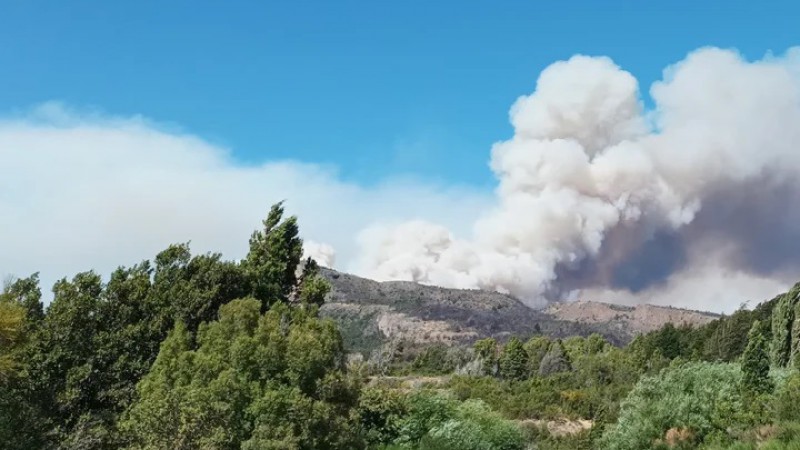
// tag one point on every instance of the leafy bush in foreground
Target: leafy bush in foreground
(438, 422)
(252, 381)
(702, 398)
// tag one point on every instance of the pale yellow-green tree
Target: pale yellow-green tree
(12, 321)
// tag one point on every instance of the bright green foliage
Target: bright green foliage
(21, 423)
(272, 263)
(12, 405)
(784, 436)
(380, 412)
(95, 371)
(579, 346)
(592, 389)
(486, 351)
(595, 344)
(642, 353)
(425, 412)
(702, 397)
(474, 426)
(437, 422)
(787, 401)
(311, 287)
(755, 362)
(574, 345)
(782, 321)
(26, 293)
(274, 255)
(597, 383)
(97, 340)
(722, 340)
(513, 360)
(12, 323)
(251, 381)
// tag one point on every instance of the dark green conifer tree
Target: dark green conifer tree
(755, 362)
(513, 360)
(782, 321)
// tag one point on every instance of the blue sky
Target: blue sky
(378, 89)
(375, 120)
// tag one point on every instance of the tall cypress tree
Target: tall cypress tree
(795, 338)
(782, 320)
(755, 362)
(275, 252)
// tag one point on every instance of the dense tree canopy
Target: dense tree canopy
(250, 381)
(193, 351)
(86, 352)
(700, 397)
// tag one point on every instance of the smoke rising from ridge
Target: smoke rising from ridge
(598, 196)
(689, 202)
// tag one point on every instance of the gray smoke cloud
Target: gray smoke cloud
(690, 203)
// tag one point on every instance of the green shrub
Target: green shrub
(787, 401)
(486, 351)
(703, 398)
(425, 411)
(380, 412)
(440, 359)
(440, 422)
(474, 427)
(513, 360)
(248, 380)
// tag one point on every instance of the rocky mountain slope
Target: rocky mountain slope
(372, 313)
(633, 319)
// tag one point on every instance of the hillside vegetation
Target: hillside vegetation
(372, 314)
(195, 352)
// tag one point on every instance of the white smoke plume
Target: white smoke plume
(323, 254)
(81, 191)
(598, 195)
(690, 202)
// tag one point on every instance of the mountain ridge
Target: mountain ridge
(372, 313)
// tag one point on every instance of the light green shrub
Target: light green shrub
(702, 397)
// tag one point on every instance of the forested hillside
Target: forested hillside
(195, 352)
